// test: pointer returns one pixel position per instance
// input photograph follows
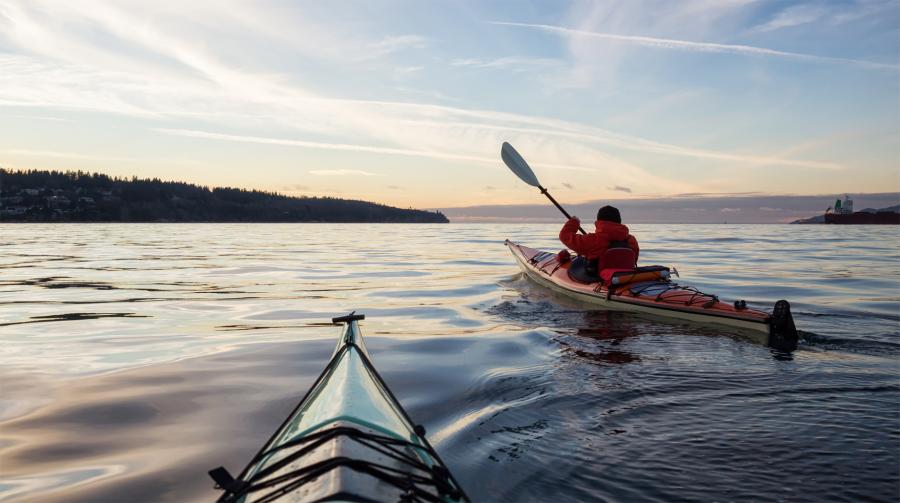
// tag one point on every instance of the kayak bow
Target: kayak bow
(663, 298)
(348, 440)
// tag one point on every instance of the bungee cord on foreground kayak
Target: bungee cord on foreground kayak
(348, 439)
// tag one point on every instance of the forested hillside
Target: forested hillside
(55, 196)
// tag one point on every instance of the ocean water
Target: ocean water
(137, 357)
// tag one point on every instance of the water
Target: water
(137, 357)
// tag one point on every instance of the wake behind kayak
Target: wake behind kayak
(348, 440)
(657, 294)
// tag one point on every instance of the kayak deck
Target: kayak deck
(660, 297)
(347, 440)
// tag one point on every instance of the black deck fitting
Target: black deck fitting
(348, 318)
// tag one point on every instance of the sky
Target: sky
(408, 102)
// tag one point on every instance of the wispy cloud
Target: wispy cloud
(584, 132)
(825, 13)
(342, 172)
(396, 43)
(67, 155)
(322, 145)
(687, 45)
(39, 117)
(794, 15)
(515, 63)
(407, 71)
(619, 188)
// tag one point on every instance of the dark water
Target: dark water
(137, 357)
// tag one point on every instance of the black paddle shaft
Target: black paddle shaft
(564, 212)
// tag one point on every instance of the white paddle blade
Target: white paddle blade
(517, 165)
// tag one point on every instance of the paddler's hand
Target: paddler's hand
(576, 220)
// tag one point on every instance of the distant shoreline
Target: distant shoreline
(80, 197)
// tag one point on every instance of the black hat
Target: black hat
(610, 214)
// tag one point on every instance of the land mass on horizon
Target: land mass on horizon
(889, 215)
(77, 196)
(741, 208)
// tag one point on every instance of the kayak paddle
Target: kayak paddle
(517, 165)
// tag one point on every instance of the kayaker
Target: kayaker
(593, 247)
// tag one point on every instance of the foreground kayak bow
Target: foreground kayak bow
(348, 440)
(663, 298)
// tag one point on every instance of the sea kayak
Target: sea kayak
(348, 440)
(660, 296)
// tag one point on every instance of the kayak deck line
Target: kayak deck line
(662, 298)
(348, 439)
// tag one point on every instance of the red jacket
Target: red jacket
(593, 245)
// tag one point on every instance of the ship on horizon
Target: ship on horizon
(842, 213)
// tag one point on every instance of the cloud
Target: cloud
(576, 131)
(428, 93)
(342, 172)
(715, 194)
(826, 13)
(39, 117)
(321, 145)
(687, 45)
(793, 16)
(396, 43)
(67, 155)
(295, 188)
(490, 187)
(767, 208)
(730, 210)
(515, 63)
(407, 71)
(395, 187)
(619, 188)
(568, 185)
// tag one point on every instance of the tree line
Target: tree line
(78, 196)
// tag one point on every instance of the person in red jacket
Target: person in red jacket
(593, 246)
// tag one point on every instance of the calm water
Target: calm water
(137, 357)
